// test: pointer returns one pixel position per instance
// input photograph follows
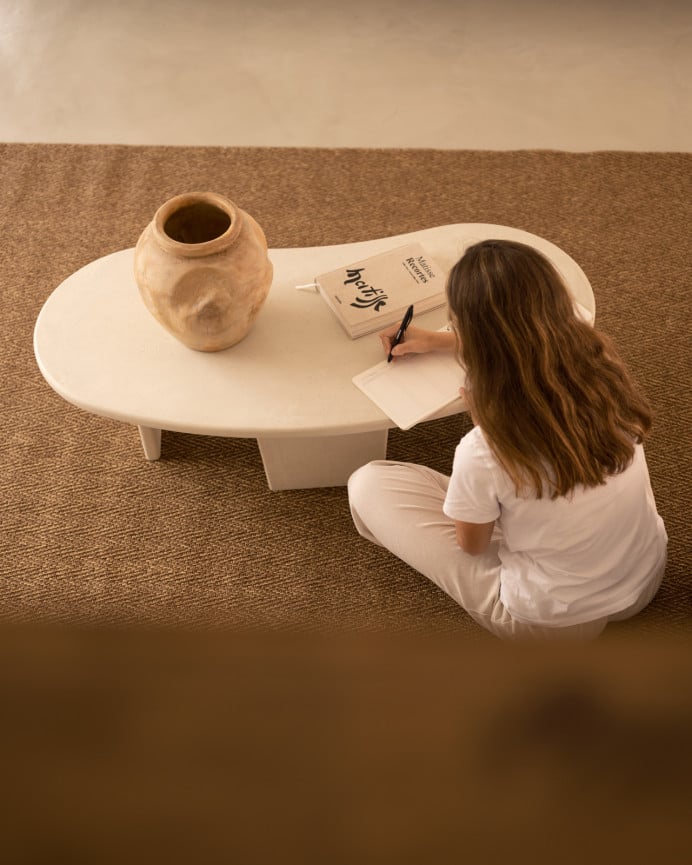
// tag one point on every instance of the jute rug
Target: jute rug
(93, 534)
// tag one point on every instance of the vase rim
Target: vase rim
(207, 247)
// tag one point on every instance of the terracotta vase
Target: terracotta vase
(202, 269)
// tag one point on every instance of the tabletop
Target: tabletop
(98, 346)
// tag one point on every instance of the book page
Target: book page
(414, 387)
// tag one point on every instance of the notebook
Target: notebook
(414, 387)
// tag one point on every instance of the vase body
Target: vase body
(202, 269)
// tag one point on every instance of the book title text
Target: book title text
(367, 295)
(420, 269)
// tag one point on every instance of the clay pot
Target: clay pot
(202, 269)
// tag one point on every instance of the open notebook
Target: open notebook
(413, 387)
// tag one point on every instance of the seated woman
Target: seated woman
(548, 525)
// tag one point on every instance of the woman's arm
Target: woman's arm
(473, 538)
(418, 341)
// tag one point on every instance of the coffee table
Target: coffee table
(287, 384)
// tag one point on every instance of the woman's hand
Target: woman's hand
(417, 340)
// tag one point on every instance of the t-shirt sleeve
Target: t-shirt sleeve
(472, 496)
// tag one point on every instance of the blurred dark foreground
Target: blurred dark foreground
(124, 747)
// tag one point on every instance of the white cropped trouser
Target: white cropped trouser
(399, 506)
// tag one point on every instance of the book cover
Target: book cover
(371, 294)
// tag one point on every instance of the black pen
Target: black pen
(408, 315)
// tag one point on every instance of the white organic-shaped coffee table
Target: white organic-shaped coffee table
(287, 384)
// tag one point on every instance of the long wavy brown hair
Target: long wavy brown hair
(553, 398)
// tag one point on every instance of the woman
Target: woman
(548, 525)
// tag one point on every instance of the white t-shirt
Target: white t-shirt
(569, 560)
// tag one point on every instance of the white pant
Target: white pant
(399, 507)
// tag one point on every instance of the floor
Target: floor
(490, 74)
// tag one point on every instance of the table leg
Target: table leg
(323, 461)
(151, 441)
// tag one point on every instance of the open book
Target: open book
(414, 387)
(371, 294)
